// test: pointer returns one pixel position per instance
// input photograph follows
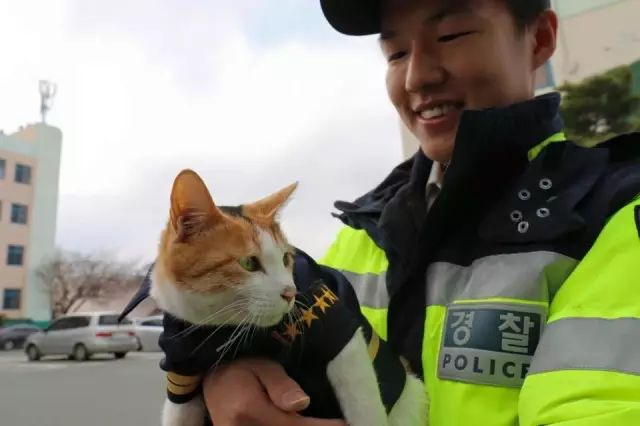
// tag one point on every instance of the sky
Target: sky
(251, 94)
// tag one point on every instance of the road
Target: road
(99, 392)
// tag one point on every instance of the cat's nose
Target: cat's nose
(288, 294)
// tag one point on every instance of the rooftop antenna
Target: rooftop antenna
(47, 93)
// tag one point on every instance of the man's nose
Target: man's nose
(288, 294)
(423, 70)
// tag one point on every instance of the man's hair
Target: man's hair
(526, 11)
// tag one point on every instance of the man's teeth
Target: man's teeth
(437, 111)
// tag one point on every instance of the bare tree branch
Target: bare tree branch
(71, 279)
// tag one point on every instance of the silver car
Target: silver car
(81, 335)
(148, 331)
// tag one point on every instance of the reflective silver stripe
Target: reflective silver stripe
(534, 276)
(589, 344)
(371, 289)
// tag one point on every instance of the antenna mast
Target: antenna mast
(47, 93)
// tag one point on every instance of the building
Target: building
(594, 36)
(29, 176)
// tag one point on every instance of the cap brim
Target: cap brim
(353, 17)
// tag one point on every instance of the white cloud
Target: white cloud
(249, 118)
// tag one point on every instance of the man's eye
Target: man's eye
(451, 37)
(395, 56)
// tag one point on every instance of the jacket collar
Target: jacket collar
(490, 143)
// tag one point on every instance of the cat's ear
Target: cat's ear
(269, 206)
(192, 208)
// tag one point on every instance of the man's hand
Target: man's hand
(257, 392)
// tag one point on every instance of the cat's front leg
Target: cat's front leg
(355, 384)
(412, 407)
(190, 413)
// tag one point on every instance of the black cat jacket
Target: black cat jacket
(304, 345)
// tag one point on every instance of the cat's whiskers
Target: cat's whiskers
(250, 325)
(300, 306)
(237, 304)
(213, 333)
(237, 332)
(300, 303)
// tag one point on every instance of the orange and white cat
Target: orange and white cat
(233, 267)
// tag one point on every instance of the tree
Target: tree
(71, 279)
(599, 106)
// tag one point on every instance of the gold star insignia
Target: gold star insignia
(321, 303)
(329, 295)
(308, 316)
(291, 330)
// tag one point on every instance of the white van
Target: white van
(81, 335)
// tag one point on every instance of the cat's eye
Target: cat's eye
(251, 264)
(287, 259)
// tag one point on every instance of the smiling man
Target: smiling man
(448, 56)
(501, 260)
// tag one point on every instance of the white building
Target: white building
(595, 36)
(29, 176)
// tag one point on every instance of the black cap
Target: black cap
(353, 17)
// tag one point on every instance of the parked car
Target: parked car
(148, 332)
(82, 335)
(14, 336)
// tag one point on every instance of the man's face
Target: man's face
(445, 56)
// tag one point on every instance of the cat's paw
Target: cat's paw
(191, 413)
(412, 408)
(355, 384)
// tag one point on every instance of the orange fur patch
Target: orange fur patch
(201, 245)
(208, 262)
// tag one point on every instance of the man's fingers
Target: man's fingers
(307, 421)
(283, 391)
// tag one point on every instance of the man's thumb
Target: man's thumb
(283, 391)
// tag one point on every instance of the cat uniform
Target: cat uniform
(304, 344)
(514, 295)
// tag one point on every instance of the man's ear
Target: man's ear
(545, 34)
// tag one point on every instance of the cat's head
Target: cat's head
(222, 265)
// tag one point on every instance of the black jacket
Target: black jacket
(470, 217)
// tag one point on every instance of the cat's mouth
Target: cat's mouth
(271, 319)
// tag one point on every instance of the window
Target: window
(23, 174)
(67, 323)
(152, 323)
(15, 255)
(11, 298)
(60, 324)
(79, 322)
(112, 320)
(3, 166)
(19, 213)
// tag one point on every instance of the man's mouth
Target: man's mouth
(439, 110)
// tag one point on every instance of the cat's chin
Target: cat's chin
(270, 321)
